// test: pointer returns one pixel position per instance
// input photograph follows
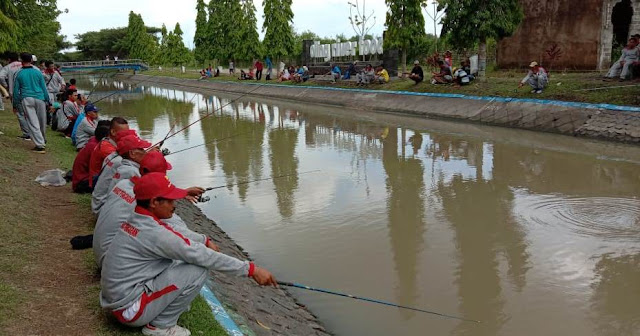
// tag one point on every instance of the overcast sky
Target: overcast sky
(324, 17)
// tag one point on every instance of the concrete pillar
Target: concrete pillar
(305, 58)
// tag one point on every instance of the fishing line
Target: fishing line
(326, 291)
(206, 143)
(263, 179)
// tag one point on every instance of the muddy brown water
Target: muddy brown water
(533, 234)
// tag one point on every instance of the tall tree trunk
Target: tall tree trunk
(404, 60)
(482, 59)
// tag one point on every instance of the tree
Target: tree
(176, 52)
(405, 26)
(359, 20)
(111, 41)
(278, 38)
(249, 47)
(470, 21)
(215, 30)
(8, 26)
(141, 45)
(200, 39)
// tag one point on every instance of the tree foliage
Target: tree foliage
(112, 41)
(405, 26)
(249, 41)
(31, 25)
(467, 22)
(200, 39)
(139, 42)
(278, 38)
(172, 50)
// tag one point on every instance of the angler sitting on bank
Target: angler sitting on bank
(153, 271)
(105, 148)
(121, 202)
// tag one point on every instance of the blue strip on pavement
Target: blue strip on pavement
(462, 96)
(218, 311)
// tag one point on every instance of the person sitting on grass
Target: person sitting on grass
(69, 113)
(80, 172)
(351, 71)
(305, 73)
(630, 56)
(335, 73)
(121, 202)
(460, 75)
(444, 76)
(416, 74)
(203, 74)
(87, 126)
(537, 78)
(153, 271)
(284, 76)
(382, 76)
(366, 76)
(297, 75)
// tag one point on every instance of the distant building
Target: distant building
(585, 32)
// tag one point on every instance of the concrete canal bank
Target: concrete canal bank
(262, 310)
(599, 121)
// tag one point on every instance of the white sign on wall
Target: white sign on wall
(327, 51)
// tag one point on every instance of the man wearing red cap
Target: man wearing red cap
(152, 272)
(121, 201)
(129, 146)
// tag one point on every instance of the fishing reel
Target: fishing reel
(203, 199)
(166, 151)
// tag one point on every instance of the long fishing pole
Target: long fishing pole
(121, 91)
(326, 291)
(206, 143)
(214, 111)
(96, 85)
(258, 180)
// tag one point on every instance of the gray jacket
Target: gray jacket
(8, 75)
(117, 208)
(101, 189)
(143, 248)
(125, 171)
(85, 131)
(54, 82)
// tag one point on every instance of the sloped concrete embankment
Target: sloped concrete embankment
(576, 119)
(264, 310)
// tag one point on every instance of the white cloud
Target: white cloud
(325, 18)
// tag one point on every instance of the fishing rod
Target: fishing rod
(214, 111)
(121, 91)
(97, 83)
(206, 143)
(258, 180)
(326, 291)
(203, 199)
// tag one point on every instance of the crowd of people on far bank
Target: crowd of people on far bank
(152, 266)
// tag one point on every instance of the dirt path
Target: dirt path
(50, 281)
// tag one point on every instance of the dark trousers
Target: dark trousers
(258, 74)
(83, 187)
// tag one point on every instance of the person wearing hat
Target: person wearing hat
(87, 126)
(106, 147)
(121, 201)
(130, 150)
(536, 78)
(416, 73)
(152, 271)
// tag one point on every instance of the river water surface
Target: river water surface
(533, 234)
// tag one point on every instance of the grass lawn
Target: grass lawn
(22, 237)
(565, 86)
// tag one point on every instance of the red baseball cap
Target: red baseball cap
(155, 185)
(154, 162)
(125, 133)
(131, 142)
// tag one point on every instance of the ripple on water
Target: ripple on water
(600, 217)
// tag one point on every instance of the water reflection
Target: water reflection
(405, 206)
(506, 233)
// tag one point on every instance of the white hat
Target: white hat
(534, 63)
(34, 58)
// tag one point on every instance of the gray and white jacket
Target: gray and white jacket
(85, 131)
(101, 189)
(144, 247)
(117, 208)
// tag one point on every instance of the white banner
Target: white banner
(328, 51)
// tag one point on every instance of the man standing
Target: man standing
(258, 70)
(231, 68)
(30, 91)
(269, 68)
(54, 81)
(153, 271)
(536, 78)
(7, 79)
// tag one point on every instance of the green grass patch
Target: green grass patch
(564, 86)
